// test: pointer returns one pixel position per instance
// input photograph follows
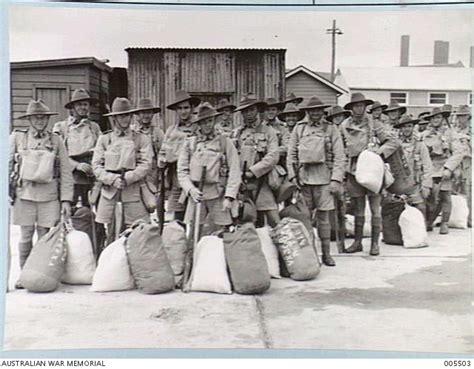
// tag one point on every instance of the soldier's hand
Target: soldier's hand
(446, 174)
(85, 168)
(249, 174)
(425, 192)
(66, 209)
(336, 188)
(195, 194)
(227, 204)
(119, 183)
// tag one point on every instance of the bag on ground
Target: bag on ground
(404, 181)
(270, 251)
(459, 212)
(80, 261)
(113, 272)
(82, 221)
(413, 228)
(247, 265)
(149, 264)
(45, 265)
(294, 243)
(391, 211)
(175, 243)
(209, 272)
(370, 171)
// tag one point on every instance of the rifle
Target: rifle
(13, 183)
(193, 236)
(119, 218)
(160, 205)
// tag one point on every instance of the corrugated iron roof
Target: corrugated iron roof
(408, 78)
(61, 63)
(199, 49)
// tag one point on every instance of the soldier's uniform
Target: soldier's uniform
(156, 136)
(283, 137)
(222, 180)
(316, 151)
(444, 154)
(359, 134)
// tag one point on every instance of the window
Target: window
(438, 98)
(399, 97)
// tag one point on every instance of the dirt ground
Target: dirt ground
(416, 300)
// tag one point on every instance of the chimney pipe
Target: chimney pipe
(441, 52)
(404, 50)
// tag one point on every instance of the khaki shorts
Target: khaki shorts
(318, 197)
(214, 209)
(44, 214)
(132, 211)
(355, 189)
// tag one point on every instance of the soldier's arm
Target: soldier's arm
(12, 151)
(388, 139)
(456, 157)
(271, 158)
(292, 156)
(235, 175)
(427, 167)
(143, 158)
(285, 140)
(339, 164)
(98, 162)
(66, 181)
(184, 159)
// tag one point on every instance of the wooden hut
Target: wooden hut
(210, 74)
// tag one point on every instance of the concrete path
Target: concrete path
(404, 300)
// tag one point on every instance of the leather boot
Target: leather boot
(374, 242)
(324, 232)
(358, 234)
(326, 247)
(341, 244)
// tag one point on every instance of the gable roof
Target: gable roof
(408, 78)
(61, 63)
(319, 76)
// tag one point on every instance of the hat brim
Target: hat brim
(366, 102)
(323, 106)
(30, 115)
(463, 113)
(380, 106)
(283, 115)
(278, 105)
(193, 100)
(153, 109)
(296, 100)
(400, 124)
(199, 120)
(118, 113)
(445, 114)
(92, 100)
(233, 107)
(261, 105)
(388, 110)
(346, 114)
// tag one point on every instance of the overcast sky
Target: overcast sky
(371, 38)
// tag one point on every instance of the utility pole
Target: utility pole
(333, 31)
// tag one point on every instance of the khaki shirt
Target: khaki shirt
(418, 160)
(156, 136)
(133, 178)
(282, 133)
(331, 147)
(225, 127)
(196, 148)
(62, 186)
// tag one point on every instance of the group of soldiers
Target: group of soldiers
(278, 149)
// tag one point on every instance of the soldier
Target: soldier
(42, 176)
(122, 160)
(446, 157)
(336, 115)
(360, 132)
(183, 105)
(257, 145)
(80, 135)
(222, 179)
(225, 126)
(316, 163)
(423, 123)
(394, 111)
(274, 107)
(291, 116)
(291, 98)
(463, 176)
(145, 111)
(418, 160)
(376, 110)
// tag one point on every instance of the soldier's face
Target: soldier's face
(358, 109)
(123, 121)
(422, 127)
(292, 119)
(39, 122)
(271, 112)
(463, 119)
(394, 114)
(377, 112)
(184, 110)
(437, 120)
(145, 117)
(250, 114)
(82, 108)
(315, 115)
(207, 126)
(407, 129)
(338, 119)
(227, 113)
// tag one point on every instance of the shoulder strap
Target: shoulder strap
(223, 144)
